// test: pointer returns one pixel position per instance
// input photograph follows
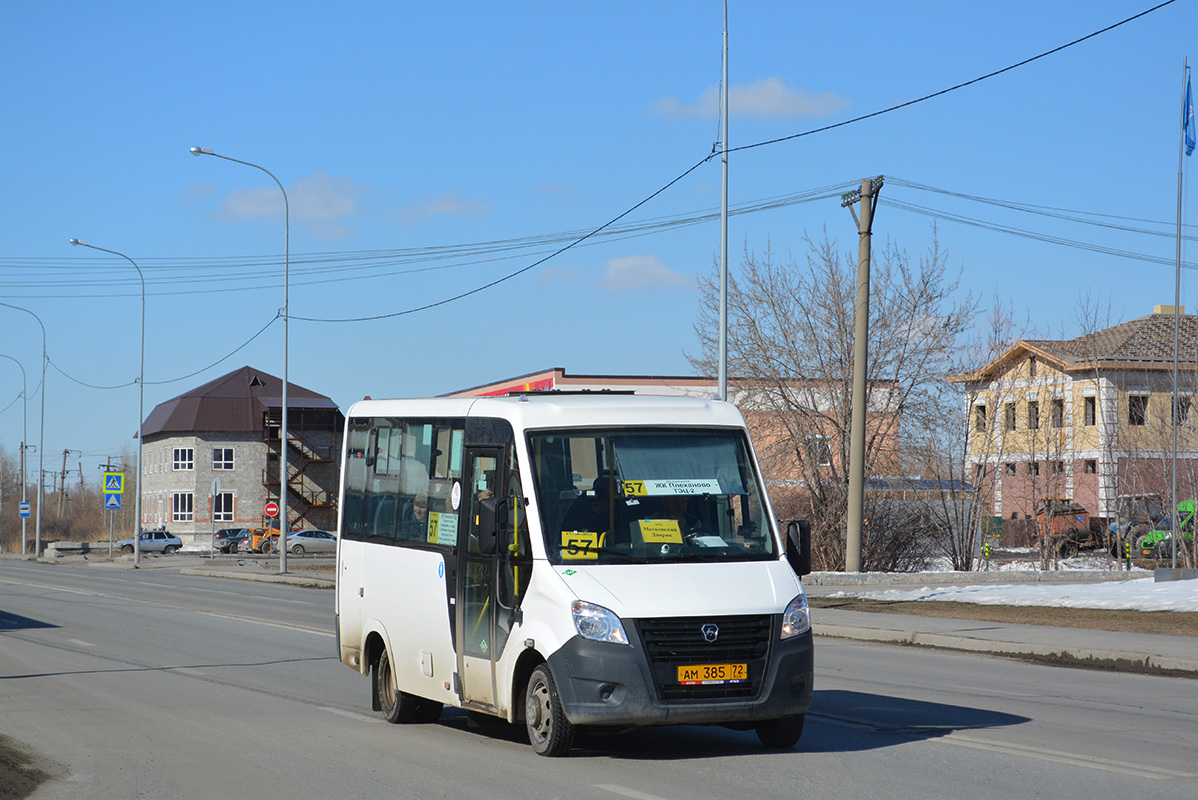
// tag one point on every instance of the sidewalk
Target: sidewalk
(1125, 652)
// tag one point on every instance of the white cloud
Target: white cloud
(765, 98)
(641, 272)
(446, 203)
(323, 200)
(562, 274)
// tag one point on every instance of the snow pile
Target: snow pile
(1142, 594)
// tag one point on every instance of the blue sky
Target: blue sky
(405, 132)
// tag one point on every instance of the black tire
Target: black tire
(127, 549)
(170, 548)
(781, 734)
(549, 732)
(298, 549)
(265, 548)
(397, 707)
(1068, 549)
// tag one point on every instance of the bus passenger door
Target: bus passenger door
(477, 564)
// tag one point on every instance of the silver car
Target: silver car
(311, 542)
(153, 542)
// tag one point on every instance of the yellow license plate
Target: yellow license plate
(701, 674)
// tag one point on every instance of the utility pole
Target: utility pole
(868, 196)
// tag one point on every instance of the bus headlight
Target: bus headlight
(598, 623)
(795, 619)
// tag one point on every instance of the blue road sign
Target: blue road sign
(114, 483)
(112, 502)
(24, 510)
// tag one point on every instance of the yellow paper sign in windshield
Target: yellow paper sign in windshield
(661, 531)
(581, 545)
(634, 489)
(434, 526)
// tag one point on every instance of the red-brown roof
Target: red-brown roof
(232, 402)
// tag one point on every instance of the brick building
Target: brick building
(1088, 418)
(228, 429)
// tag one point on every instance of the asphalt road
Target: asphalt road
(152, 684)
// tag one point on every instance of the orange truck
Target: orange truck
(1067, 526)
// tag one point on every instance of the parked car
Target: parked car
(310, 541)
(153, 542)
(230, 540)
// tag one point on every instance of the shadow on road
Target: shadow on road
(15, 622)
(838, 722)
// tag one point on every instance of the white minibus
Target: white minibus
(564, 560)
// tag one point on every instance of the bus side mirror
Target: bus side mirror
(798, 546)
(486, 524)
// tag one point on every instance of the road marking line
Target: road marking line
(236, 617)
(1059, 757)
(350, 714)
(81, 642)
(624, 791)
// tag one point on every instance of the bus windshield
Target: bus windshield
(631, 495)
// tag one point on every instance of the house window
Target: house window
(1137, 409)
(1033, 415)
(181, 508)
(1091, 466)
(821, 453)
(1183, 410)
(1009, 416)
(1058, 413)
(1091, 410)
(222, 458)
(1031, 366)
(979, 417)
(1033, 468)
(1058, 467)
(1010, 469)
(184, 458)
(222, 507)
(979, 472)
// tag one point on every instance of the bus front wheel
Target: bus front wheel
(397, 706)
(781, 733)
(549, 732)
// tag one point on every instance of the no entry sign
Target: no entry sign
(272, 509)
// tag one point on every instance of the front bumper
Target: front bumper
(600, 683)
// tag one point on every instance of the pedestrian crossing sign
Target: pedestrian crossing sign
(114, 483)
(112, 502)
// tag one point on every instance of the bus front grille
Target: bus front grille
(673, 642)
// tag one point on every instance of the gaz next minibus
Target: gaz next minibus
(559, 560)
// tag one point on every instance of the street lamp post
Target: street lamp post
(41, 439)
(24, 442)
(284, 524)
(141, 392)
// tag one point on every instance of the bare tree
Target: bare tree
(790, 353)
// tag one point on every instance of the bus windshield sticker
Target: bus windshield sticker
(581, 545)
(688, 486)
(655, 531)
(442, 528)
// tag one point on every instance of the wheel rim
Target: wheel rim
(387, 689)
(537, 712)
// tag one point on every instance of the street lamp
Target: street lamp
(284, 524)
(24, 443)
(141, 391)
(41, 439)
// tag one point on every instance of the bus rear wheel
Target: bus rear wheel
(400, 707)
(549, 732)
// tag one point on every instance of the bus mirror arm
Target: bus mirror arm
(798, 546)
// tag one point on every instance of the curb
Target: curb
(290, 579)
(1117, 660)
